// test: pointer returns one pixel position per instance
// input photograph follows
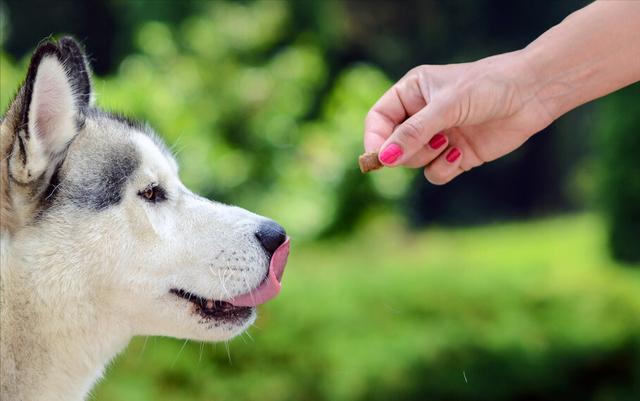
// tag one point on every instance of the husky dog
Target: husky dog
(100, 241)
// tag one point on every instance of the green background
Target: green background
(500, 286)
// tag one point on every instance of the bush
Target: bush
(620, 171)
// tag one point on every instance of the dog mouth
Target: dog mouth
(271, 285)
(214, 309)
(241, 307)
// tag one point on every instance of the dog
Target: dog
(100, 241)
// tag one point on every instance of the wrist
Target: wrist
(547, 95)
(524, 77)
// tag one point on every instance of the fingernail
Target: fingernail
(390, 154)
(453, 155)
(437, 141)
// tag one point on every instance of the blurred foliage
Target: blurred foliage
(264, 100)
(263, 104)
(235, 106)
(531, 311)
(620, 171)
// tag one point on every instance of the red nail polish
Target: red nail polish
(437, 141)
(390, 154)
(453, 155)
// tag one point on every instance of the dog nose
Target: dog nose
(271, 235)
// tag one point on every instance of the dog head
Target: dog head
(98, 218)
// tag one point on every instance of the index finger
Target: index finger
(401, 101)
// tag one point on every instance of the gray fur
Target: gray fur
(95, 178)
(104, 187)
(87, 263)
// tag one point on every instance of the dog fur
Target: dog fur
(98, 233)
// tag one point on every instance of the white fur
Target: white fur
(78, 284)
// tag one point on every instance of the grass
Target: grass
(507, 312)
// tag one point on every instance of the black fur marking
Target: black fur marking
(49, 195)
(23, 151)
(77, 71)
(128, 121)
(104, 188)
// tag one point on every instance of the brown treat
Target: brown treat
(369, 162)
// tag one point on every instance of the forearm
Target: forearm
(594, 51)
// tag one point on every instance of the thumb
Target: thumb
(414, 133)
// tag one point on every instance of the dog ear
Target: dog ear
(52, 105)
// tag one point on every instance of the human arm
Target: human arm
(479, 111)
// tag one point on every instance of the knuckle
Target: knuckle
(371, 115)
(415, 71)
(435, 176)
(411, 132)
(449, 108)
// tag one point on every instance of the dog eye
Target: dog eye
(153, 193)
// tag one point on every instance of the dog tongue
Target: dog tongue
(270, 287)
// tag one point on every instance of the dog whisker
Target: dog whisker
(144, 346)
(179, 353)
(248, 288)
(222, 284)
(226, 345)
(255, 325)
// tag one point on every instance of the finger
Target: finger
(409, 137)
(402, 100)
(436, 145)
(445, 168)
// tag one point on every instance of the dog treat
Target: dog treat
(369, 162)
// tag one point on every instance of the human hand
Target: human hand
(451, 118)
